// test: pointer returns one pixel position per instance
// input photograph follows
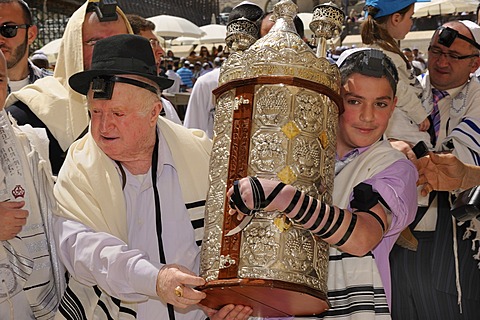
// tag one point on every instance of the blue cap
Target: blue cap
(387, 7)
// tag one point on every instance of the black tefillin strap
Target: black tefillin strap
(158, 215)
(102, 86)
(447, 35)
(158, 211)
(364, 198)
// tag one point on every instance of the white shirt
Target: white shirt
(129, 272)
(201, 106)
(170, 111)
(19, 84)
(450, 117)
(177, 81)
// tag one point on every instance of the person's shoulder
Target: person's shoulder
(474, 87)
(209, 77)
(180, 131)
(23, 115)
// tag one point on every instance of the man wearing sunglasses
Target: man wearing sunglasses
(50, 103)
(441, 279)
(16, 35)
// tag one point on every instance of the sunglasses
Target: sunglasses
(10, 30)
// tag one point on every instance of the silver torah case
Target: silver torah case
(277, 108)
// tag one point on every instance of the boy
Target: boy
(363, 233)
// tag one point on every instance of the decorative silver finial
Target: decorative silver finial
(326, 23)
(241, 34)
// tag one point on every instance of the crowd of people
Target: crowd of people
(104, 188)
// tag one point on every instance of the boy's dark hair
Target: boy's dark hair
(249, 11)
(368, 62)
(299, 26)
(139, 23)
(27, 13)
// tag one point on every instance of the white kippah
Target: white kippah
(474, 29)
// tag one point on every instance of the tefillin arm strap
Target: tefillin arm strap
(364, 199)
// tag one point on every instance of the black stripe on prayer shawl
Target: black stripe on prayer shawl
(117, 302)
(70, 307)
(102, 305)
(123, 309)
(352, 300)
(195, 204)
(36, 286)
(128, 311)
(199, 223)
(347, 255)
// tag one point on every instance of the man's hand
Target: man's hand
(405, 148)
(12, 219)
(172, 276)
(280, 202)
(228, 312)
(424, 125)
(442, 172)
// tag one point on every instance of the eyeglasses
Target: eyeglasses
(10, 30)
(436, 52)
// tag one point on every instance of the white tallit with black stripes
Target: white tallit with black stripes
(355, 289)
(34, 277)
(103, 207)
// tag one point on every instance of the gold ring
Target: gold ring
(179, 291)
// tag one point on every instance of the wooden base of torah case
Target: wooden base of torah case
(276, 115)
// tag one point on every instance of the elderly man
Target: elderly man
(441, 279)
(50, 103)
(17, 33)
(127, 182)
(31, 278)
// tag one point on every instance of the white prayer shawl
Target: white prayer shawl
(464, 133)
(89, 190)
(32, 253)
(347, 273)
(63, 110)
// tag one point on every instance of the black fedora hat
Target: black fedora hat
(118, 55)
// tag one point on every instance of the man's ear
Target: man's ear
(157, 108)
(32, 34)
(475, 65)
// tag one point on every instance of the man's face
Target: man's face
(15, 49)
(122, 127)
(369, 102)
(3, 80)
(156, 47)
(94, 30)
(445, 72)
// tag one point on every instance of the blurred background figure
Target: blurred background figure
(145, 28)
(415, 64)
(40, 59)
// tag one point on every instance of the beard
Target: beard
(17, 54)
